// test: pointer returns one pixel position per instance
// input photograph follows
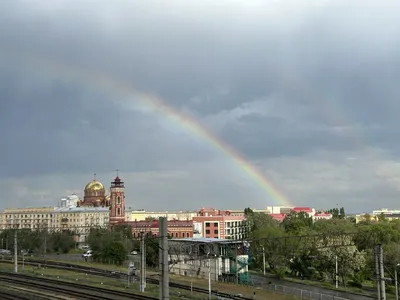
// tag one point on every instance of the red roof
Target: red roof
(278, 217)
(300, 209)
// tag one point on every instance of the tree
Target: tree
(108, 246)
(124, 230)
(350, 259)
(370, 234)
(297, 223)
(27, 239)
(333, 226)
(337, 213)
(152, 252)
(261, 228)
(61, 241)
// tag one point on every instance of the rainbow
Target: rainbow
(108, 84)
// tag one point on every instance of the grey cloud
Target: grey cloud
(314, 70)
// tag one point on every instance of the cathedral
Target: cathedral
(95, 196)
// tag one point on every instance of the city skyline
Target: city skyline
(202, 105)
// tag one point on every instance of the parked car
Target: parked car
(88, 253)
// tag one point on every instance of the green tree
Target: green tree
(370, 234)
(108, 246)
(337, 213)
(152, 252)
(297, 223)
(333, 226)
(262, 229)
(61, 241)
(27, 239)
(350, 259)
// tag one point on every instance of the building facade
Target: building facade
(220, 224)
(176, 228)
(142, 215)
(28, 218)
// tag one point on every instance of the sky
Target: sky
(306, 92)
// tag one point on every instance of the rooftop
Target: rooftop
(81, 209)
(206, 240)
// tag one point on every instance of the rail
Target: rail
(118, 275)
(70, 289)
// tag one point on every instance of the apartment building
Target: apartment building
(221, 224)
(27, 218)
(176, 228)
(81, 217)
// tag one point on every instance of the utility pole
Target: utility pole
(336, 272)
(377, 272)
(45, 244)
(164, 266)
(209, 278)
(264, 260)
(396, 282)
(160, 264)
(15, 252)
(237, 264)
(142, 264)
(382, 273)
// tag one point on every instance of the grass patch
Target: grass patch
(328, 285)
(231, 288)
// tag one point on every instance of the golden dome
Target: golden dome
(108, 197)
(94, 186)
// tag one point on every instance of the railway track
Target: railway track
(119, 275)
(7, 295)
(68, 289)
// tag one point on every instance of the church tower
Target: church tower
(117, 201)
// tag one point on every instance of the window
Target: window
(208, 231)
(207, 224)
(118, 200)
(216, 224)
(216, 231)
(118, 211)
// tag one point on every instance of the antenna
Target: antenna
(94, 178)
(117, 172)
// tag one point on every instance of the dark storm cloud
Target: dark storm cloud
(332, 68)
(53, 126)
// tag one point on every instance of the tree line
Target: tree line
(113, 246)
(341, 240)
(38, 242)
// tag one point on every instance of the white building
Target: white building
(69, 201)
(221, 258)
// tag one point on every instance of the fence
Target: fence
(303, 294)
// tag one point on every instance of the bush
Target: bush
(353, 283)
